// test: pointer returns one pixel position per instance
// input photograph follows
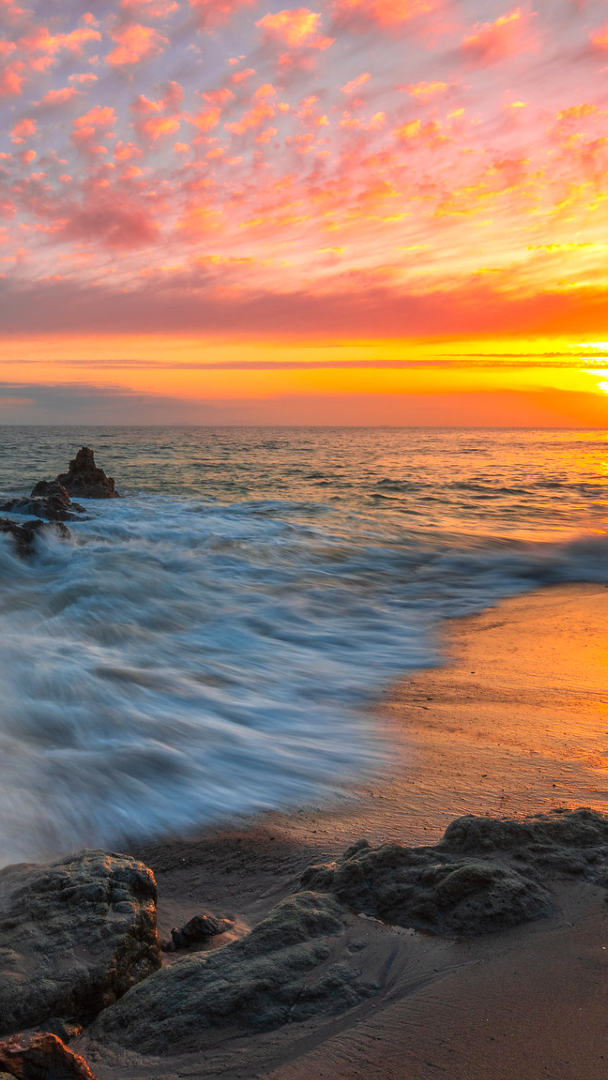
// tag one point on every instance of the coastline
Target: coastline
(515, 723)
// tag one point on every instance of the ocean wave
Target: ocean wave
(177, 663)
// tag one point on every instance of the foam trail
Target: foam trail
(178, 663)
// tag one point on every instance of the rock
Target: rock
(85, 480)
(49, 500)
(284, 970)
(41, 1057)
(74, 936)
(421, 888)
(24, 533)
(198, 931)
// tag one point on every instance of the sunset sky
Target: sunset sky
(367, 211)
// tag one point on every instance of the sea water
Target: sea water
(209, 644)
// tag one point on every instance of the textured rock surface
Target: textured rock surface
(41, 1057)
(24, 533)
(484, 875)
(49, 500)
(284, 970)
(74, 936)
(198, 931)
(417, 887)
(85, 480)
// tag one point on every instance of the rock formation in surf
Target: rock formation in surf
(49, 500)
(24, 533)
(74, 936)
(85, 480)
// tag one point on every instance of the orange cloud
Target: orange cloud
(159, 125)
(383, 13)
(491, 42)
(90, 125)
(135, 43)
(207, 119)
(354, 84)
(297, 28)
(599, 38)
(424, 91)
(241, 76)
(251, 119)
(39, 40)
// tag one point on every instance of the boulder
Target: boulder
(486, 874)
(85, 480)
(41, 1057)
(198, 931)
(74, 936)
(49, 500)
(288, 968)
(417, 887)
(24, 533)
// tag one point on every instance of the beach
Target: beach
(512, 725)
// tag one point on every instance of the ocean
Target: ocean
(211, 644)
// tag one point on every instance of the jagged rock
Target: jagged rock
(198, 931)
(85, 480)
(284, 970)
(485, 874)
(41, 1057)
(55, 506)
(24, 533)
(74, 936)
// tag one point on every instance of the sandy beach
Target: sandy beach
(514, 724)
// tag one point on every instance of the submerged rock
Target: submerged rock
(284, 970)
(74, 936)
(24, 533)
(85, 479)
(41, 1057)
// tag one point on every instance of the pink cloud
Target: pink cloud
(352, 86)
(135, 43)
(211, 13)
(425, 91)
(10, 13)
(112, 219)
(251, 119)
(599, 38)
(149, 9)
(383, 13)
(157, 126)
(491, 42)
(241, 76)
(207, 119)
(23, 130)
(59, 97)
(40, 40)
(90, 126)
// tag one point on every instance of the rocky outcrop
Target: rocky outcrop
(284, 970)
(49, 500)
(74, 936)
(24, 533)
(41, 1057)
(84, 480)
(486, 874)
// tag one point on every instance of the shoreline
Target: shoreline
(515, 723)
(509, 726)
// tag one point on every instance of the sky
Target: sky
(366, 211)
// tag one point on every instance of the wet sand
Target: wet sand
(515, 723)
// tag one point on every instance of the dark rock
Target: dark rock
(420, 888)
(41, 1057)
(198, 931)
(485, 874)
(74, 936)
(24, 533)
(284, 970)
(84, 479)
